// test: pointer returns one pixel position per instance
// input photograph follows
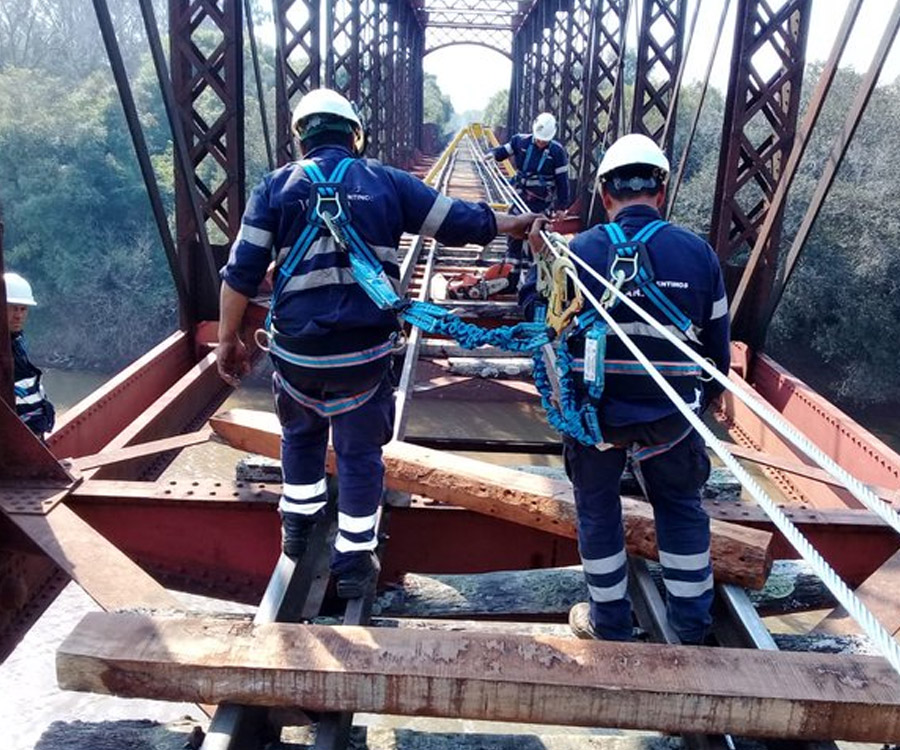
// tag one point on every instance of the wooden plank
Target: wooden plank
(740, 555)
(108, 576)
(485, 676)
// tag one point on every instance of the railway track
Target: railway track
(298, 593)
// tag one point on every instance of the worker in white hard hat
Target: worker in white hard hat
(330, 343)
(32, 404)
(542, 180)
(674, 276)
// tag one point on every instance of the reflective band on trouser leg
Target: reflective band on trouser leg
(304, 439)
(358, 437)
(673, 480)
(601, 539)
(356, 533)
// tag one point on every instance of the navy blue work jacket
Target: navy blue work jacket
(688, 272)
(542, 174)
(322, 298)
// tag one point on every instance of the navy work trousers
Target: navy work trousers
(672, 480)
(358, 437)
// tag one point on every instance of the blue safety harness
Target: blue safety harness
(523, 174)
(632, 259)
(577, 417)
(329, 210)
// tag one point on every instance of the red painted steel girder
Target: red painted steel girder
(757, 137)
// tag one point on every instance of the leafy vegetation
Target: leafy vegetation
(78, 224)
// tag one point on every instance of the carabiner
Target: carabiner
(560, 309)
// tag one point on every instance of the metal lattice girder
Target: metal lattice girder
(207, 74)
(660, 48)
(757, 135)
(602, 92)
(297, 63)
(499, 39)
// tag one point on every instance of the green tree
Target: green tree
(438, 108)
(496, 109)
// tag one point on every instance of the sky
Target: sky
(470, 75)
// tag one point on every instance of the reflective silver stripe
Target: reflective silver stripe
(439, 210)
(342, 544)
(719, 308)
(562, 170)
(509, 149)
(609, 593)
(356, 524)
(27, 382)
(684, 562)
(319, 277)
(604, 565)
(534, 182)
(323, 245)
(301, 509)
(645, 329)
(31, 398)
(255, 236)
(304, 491)
(689, 589)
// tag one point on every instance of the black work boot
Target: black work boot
(296, 530)
(580, 622)
(356, 573)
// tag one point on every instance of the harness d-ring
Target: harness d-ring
(266, 335)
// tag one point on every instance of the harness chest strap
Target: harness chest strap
(369, 273)
(632, 256)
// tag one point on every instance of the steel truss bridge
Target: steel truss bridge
(89, 504)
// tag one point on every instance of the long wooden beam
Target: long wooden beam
(740, 555)
(489, 676)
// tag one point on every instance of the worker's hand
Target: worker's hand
(489, 156)
(535, 241)
(232, 361)
(515, 225)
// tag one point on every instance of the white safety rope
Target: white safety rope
(879, 635)
(857, 488)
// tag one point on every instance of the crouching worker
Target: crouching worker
(329, 342)
(675, 277)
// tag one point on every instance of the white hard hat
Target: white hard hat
(544, 127)
(18, 291)
(630, 149)
(324, 102)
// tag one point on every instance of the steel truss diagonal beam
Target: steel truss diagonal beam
(660, 49)
(757, 136)
(297, 64)
(208, 74)
(604, 84)
(566, 60)
(207, 70)
(369, 50)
